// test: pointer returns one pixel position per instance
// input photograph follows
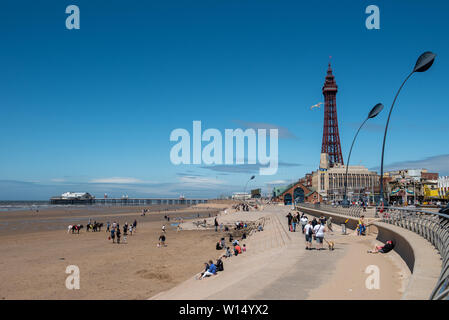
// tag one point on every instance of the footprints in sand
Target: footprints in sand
(153, 275)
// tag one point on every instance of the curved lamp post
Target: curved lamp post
(372, 114)
(423, 63)
(252, 177)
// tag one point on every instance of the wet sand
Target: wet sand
(34, 259)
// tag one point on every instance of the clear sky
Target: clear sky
(92, 109)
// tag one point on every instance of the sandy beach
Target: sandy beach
(36, 249)
(34, 259)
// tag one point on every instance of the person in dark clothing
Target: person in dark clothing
(314, 222)
(389, 245)
(118, 235)
(219, 265)
(289, 218)
(216, 224)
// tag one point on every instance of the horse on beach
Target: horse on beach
(74, 228)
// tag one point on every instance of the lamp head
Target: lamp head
(375, 110)
(424, 61)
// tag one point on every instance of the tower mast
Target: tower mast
(331, 137)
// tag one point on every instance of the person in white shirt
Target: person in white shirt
(308, 230)
(319, 230)
(304, 220)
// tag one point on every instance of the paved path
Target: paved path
(276, 266)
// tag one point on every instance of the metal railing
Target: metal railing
(432, 226)
(352, 211)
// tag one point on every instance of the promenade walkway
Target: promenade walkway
(277, 266)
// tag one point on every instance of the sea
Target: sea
(8, 205)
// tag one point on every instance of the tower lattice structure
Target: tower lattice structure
(331, 137)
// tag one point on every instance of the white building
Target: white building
(241, 196)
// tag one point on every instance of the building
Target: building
(73, 198)
(329, 181)
(408, 186)
(241, 196)
(295, 192)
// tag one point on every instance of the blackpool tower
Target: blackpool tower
(331, 137)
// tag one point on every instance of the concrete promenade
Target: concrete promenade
(277, 266)
(421, 258)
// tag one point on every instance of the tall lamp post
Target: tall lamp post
(423, 63)
(252, 177)
(372, 114)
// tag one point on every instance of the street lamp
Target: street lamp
(252, 177)
(423, 63)
(372, 114)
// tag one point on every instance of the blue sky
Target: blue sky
(92, 109)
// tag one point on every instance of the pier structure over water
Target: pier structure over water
(144, 202)
(129, 201)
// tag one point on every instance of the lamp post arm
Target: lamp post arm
(385, 137)
(349, 157)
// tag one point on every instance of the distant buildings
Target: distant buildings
(241, 196)
(329, 181)
(411, 186)
(73, 198)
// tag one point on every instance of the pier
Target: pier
(129, 201)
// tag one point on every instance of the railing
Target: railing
(432, 226)
(352, 211)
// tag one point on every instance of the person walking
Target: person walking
(216, 224)
(319, 230)
(304, 221)
(308, 230)
(108, 226)
(289, 217)
(118, 235)
(113, 235)
(294, 222)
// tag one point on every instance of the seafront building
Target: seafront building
(329, 180)
(410, 186)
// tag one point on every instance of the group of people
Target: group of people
(211, 268)
(241, 207)
(116, 233)
(312, 229)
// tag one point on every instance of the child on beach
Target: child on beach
(244, 248)
(161, 241)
